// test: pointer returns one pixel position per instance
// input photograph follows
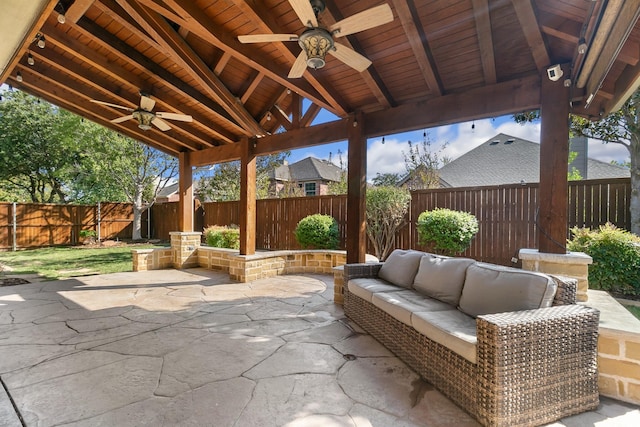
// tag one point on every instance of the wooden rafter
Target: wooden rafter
(485, 39)
(185, 57)
(77, 10)
(420, 48)
(528, 22)
(199, 24)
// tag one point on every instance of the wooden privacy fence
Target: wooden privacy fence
(507, 215)
(31, 225)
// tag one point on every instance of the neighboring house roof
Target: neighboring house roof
(307, 169)
(505, 159)
(168, 190)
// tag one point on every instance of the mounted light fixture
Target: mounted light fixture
(30, 59)
(316, 42)
(19, 76)
(144, 118)
(41, 42)
(582, 46)
(61, 11)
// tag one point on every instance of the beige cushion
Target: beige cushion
(442, 278)
(366, 287)
(491, 288)
(450, 328)
(400, 267)
(401, 304)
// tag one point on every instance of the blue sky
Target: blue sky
(459, 138)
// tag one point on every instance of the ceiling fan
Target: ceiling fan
(316, 41)
(144, 116)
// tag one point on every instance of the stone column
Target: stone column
(185, 246)
(570, 264)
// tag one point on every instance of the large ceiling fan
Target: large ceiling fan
(316, 41)
(144, 116)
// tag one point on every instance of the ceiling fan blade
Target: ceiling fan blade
(147, 103)
(160, 124)
(305, 12)
(297, 70)
(122, 119)
(266, 38)
(362, 21)
(122, 107)
(174, 116)
(350, 57)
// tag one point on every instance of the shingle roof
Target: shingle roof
(307, 169)
(505, 159)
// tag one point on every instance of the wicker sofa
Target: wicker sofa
(509, 346)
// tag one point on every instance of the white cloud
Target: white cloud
(386, 158)
(607, 152)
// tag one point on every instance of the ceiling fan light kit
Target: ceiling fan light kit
(316, 42)
(144, 118)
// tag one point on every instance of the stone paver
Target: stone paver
(191, 348)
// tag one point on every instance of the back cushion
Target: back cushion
(491, 288)
(401, 267)
(442, 278)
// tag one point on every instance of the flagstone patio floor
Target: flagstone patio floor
(178, 348)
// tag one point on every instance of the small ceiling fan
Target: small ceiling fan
(316, 41)
(144, 116)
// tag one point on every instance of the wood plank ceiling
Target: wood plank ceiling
(438, 61)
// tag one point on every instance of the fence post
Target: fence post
(98, 225)
(14, 226)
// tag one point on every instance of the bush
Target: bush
(445, 231)
(386, 213)
(222, 237)
(318, 232)
(616, 258)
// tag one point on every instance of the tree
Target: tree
(386, 179)
(38, 148)
(138, 170)
(224, 183)
(385, 214)
(422, 164)
(342, 186)
(621, 127)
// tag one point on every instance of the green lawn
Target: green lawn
(62, 262)
(634, 310)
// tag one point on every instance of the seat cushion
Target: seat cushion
(442, 278)
(366, 287)
(450, 328)
(400, 267)
(490, 288)
(401, 304)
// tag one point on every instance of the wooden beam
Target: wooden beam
(554, 163)
(221, 154)
(485, 39)
(529, 24)
(185, 184)
(247, 198)
(357, 188)
(489, 101)
(407, 15)
(179, 51)
(77, 10)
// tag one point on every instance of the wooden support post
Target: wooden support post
(357, 187)
(554, 163)
(185, 184)
(247, 197)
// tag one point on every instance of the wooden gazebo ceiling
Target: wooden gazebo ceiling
(438, 61)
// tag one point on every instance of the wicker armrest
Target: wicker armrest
(544, 358)
(353, 271)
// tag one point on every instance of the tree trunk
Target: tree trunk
(136, 233)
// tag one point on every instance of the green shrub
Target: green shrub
(445, 231)
(616, 257)
(222, 237)
(318, 232)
